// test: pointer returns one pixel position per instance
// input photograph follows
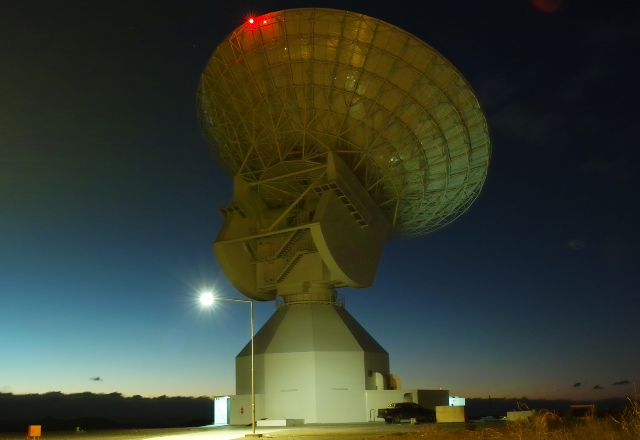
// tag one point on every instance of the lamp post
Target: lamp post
(207, 299)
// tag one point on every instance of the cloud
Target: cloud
(547, 6)
(555, 107)
(597, 387)
(606, 168)
(577, 245)
(96, 379)
(5, 389)
(622, 382)
(577, 384)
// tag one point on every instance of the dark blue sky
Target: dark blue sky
(109, 197)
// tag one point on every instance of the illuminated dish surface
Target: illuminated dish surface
(286, 88)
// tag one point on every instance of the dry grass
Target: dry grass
(546, 425)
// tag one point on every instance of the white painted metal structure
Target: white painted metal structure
(340, 131)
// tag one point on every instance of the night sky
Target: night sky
(109, 198)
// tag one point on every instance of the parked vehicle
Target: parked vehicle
(396, 412)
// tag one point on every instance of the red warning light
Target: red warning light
(251, 20)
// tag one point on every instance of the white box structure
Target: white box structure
(282, 422)
(451, 414)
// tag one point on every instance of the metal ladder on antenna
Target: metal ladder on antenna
(287, 245)
(290, 267)
(251, 252)
(346, 195)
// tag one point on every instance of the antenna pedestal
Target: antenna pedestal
(314, 362)
(330, 297)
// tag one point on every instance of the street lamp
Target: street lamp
(207, 299)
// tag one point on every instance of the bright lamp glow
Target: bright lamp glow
(251, 20)
(206, 299)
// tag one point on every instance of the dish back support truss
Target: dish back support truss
(279, 95)
(331, 236)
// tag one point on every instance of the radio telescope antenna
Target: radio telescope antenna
(340, 131)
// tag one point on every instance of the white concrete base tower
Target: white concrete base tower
(313, 362)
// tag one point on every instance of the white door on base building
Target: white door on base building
(221, 410)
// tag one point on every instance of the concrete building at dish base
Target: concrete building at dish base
(316, 363)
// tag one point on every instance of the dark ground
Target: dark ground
(357, 431)
(100, 434)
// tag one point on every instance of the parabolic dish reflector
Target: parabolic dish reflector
(282, 92)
